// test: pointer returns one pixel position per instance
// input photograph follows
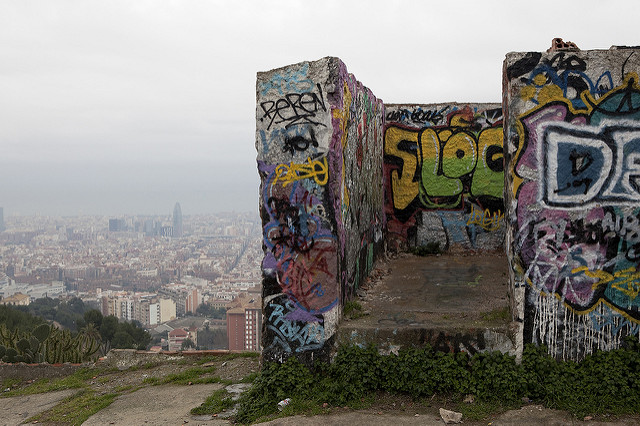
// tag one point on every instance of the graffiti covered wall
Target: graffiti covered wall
(318, 137)
(444, 176)
(572, 130)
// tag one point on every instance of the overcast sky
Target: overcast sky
(125, 107)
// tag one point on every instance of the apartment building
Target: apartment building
(244, 325)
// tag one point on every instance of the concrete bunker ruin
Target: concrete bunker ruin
(550, 178)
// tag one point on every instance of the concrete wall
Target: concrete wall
(444, 177)
(572, 130)
(319, 142)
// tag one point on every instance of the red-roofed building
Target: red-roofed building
(176, 337)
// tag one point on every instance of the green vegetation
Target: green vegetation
(206, 310)
(605, 382)
(187, 377)
(46, 343)
(498, 315)
(225, 357)
(115, 334)
(16, 319)
(68, 313)
(480, 410)
(250, 378)
(25, 337)
(430, 248)
(9, 383)
(75, 409)
(220, 400)
(353, 310)
(76, 380)
(186, 344)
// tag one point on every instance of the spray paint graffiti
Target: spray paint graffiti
(294, 109)
(357, 119)
(300, 264)
(485, 219)
(316, 170)
(563, 75)
(298, 142)
(300, 245)
(418, 116)
(586, 166)
(455, 166)
(443, 160)
(585, 161)
(575, 190)
(290, 334)
(318, 136)
(290, 79)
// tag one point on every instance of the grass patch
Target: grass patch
(298, 407)
(220, 400)
(353, 310)
(220, 358)
(229, 357)
(183, 361)
(250, 378)
(75, 409)
(9, 383)
(75, 381)
(482, 410)
(125, 388)
(190, 376)
(498, 315)
(206, 359)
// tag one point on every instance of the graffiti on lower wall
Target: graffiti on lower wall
(288, 333)
(575, 192)
(300, 246)
(444, 175)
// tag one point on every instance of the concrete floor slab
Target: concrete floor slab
(452, 302)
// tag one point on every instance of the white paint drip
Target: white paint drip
(570, 335)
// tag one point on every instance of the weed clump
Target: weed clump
(604, 382)
(353, 310)
(431, 248)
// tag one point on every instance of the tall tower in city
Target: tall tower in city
(1, 219)
(177, 221)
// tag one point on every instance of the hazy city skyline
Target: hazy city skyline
(125, 107)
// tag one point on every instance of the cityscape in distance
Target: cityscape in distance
(194, 277)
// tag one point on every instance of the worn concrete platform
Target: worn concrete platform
(453, 302)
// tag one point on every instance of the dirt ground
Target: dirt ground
(531, 415)
(17, 409)
(138, 403)
(170, 404)
(157, 405)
